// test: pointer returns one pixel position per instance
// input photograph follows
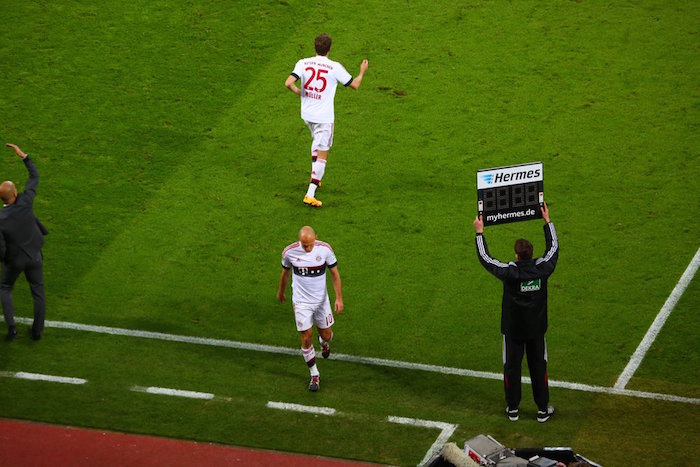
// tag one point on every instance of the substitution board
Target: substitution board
(510, 194)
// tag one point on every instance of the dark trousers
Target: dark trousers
(34, 272)
(513, 350)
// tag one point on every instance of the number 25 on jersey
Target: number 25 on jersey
(316, 75)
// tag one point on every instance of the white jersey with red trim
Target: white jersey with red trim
(319, 77)
(309, 281)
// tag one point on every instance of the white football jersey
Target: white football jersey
(319, 79)
(309, 281)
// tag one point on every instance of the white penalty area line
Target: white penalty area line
(350, 358)
(301, 408)
(658, 323)
(173, 392)
(447, 429)
(40, 377)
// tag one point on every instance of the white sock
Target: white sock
(310, 359)
(318, 168)
(311, 191)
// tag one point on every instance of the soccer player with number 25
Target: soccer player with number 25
(319, 78)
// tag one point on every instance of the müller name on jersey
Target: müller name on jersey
(312, 95)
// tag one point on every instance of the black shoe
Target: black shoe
(544, 415)
(314, 383)
(513, 414)
(325, 347)
(11, 333)
(35, 335)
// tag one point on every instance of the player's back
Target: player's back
(319, 77)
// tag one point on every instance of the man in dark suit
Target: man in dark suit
(21, 239)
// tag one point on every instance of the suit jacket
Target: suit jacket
(22, 233)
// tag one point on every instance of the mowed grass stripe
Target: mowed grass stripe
(355, 359)
(110, 99)
(188, 243)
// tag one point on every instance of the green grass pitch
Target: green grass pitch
(173, 163)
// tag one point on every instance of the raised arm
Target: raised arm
(492, 265)
(545, 213)
(357, 81)
(17, 150)
(548, 261)
(33, 181)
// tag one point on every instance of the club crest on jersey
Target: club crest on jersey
(531, 286)
(318, 258)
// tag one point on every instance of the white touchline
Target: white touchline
(349, 358)
(447, 430)
(173, 392)
(658, 323)
(301, 408)
(40, 377)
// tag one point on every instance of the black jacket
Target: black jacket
(22, 233)
(524, 305)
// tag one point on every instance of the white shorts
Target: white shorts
(306, 314)
(322, 134)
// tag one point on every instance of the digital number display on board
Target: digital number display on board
(510, 194)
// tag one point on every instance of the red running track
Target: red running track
(36, 444)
